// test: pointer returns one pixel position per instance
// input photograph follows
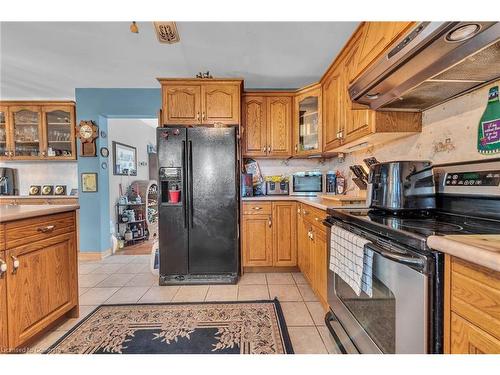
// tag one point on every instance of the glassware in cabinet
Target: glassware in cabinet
(58, 132)
(26, 128)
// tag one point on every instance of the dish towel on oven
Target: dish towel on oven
(350, 260)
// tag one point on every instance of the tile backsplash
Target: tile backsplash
(44, 173)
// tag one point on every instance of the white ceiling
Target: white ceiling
(48, 60)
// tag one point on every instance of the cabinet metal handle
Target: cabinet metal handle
(268, 148)
(6, 153)
(264, 149)
(257, 208)
(44, 153)
(298, 211)
(15, 264)
(198, 116)
(203, 115)
(270, 222)
(47, 229)
(3, 267)
(317, 219)
(305, 212)
(11, 153)
(296, 148)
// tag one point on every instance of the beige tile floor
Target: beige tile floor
(126, 279)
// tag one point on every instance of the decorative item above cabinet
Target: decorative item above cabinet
(37, 130)
(201, 101)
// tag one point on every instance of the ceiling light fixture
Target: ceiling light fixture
(134, 28)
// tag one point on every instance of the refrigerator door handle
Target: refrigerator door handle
(191, 183)
(184, 208)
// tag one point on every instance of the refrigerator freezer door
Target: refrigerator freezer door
(213, 200)
(172, 218)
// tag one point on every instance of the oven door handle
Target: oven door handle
(416, 263)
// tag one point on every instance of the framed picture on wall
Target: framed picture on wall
(89, 182)
(124, 160)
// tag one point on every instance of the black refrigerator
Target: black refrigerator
(199, 205)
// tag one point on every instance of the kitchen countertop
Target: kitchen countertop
(38, 196)
(483, 250)
(317, 202)
(11, 212)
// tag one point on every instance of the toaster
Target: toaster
(277, 185)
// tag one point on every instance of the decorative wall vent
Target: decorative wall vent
(166, 32)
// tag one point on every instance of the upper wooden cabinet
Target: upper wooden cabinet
(200, 101)
(37, 131)
(375, 38)
(307, 121)
(347, 126)
(267, 124)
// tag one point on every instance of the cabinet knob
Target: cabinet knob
(317, 218)
(257, 208)
(264, 149)
(6, 153)
(3, 267)
(268, 148)
(44, 153)
(11, 153)
(270, 222)
(15, 264)
(203, 115)
(198, 116)
(296, 148)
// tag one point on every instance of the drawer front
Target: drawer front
(22, 232)
(475, 295)
(257, 208)
(314, 216)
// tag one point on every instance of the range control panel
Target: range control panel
(480, 178)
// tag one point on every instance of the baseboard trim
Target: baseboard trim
(271, 269)
(94, 255)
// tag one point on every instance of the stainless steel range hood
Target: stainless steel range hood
(434, 62)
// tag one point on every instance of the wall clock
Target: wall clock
(88, 133)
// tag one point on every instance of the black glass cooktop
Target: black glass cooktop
(416, 226)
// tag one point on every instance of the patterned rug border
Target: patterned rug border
(287, 342)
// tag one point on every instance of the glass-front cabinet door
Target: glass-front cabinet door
(307, 132)
(26, 127)
(58, 126)
(4, 139)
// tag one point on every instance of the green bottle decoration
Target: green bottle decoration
(489, 125)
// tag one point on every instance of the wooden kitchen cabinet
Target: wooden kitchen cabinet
(255, 126)
(285, 234)
(257, 240)
(471, 308)
(37, 130)
(376, 37)
(267, 124)
(41, 282)
(348, 126)
(220, 103)
(269, 234)
(279, 120)
(200, 101)
(3, 305)
(307, 121)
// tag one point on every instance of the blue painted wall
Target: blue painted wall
(99, 105)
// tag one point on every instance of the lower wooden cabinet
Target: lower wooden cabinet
(40, 284)
(257, 240)
(3, 306)
(285, 233)
(467, 338)
(312, 249)
(471, 309)
(269, 238)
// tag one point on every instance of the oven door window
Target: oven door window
(395, 316)
(306, 184)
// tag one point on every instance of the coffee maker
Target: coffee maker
(8, 181)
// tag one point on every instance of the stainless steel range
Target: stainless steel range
(403, 313)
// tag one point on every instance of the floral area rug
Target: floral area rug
(256, 327)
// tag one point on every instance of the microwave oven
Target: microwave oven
(309, 183)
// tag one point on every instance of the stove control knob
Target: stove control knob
(466, 182)
(455, 176)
